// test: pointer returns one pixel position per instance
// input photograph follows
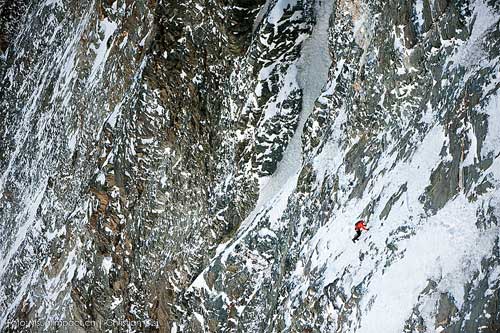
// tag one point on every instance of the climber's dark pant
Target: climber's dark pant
(358, 233)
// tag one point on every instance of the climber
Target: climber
(358, 226)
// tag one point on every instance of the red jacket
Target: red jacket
(360, 225)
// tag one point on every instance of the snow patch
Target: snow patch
(108, 28)
(492, 140)
(107, 263)
(472, 54)
(278, 10)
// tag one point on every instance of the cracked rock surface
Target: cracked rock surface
(198, 166)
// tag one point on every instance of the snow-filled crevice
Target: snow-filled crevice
(311, 74)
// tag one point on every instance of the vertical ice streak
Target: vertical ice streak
(312, 75)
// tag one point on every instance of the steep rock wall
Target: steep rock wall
(185, 166)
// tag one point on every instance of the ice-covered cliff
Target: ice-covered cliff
(197, 166)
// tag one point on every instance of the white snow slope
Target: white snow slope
(387, 272)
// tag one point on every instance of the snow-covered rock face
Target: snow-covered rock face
(185, 166)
